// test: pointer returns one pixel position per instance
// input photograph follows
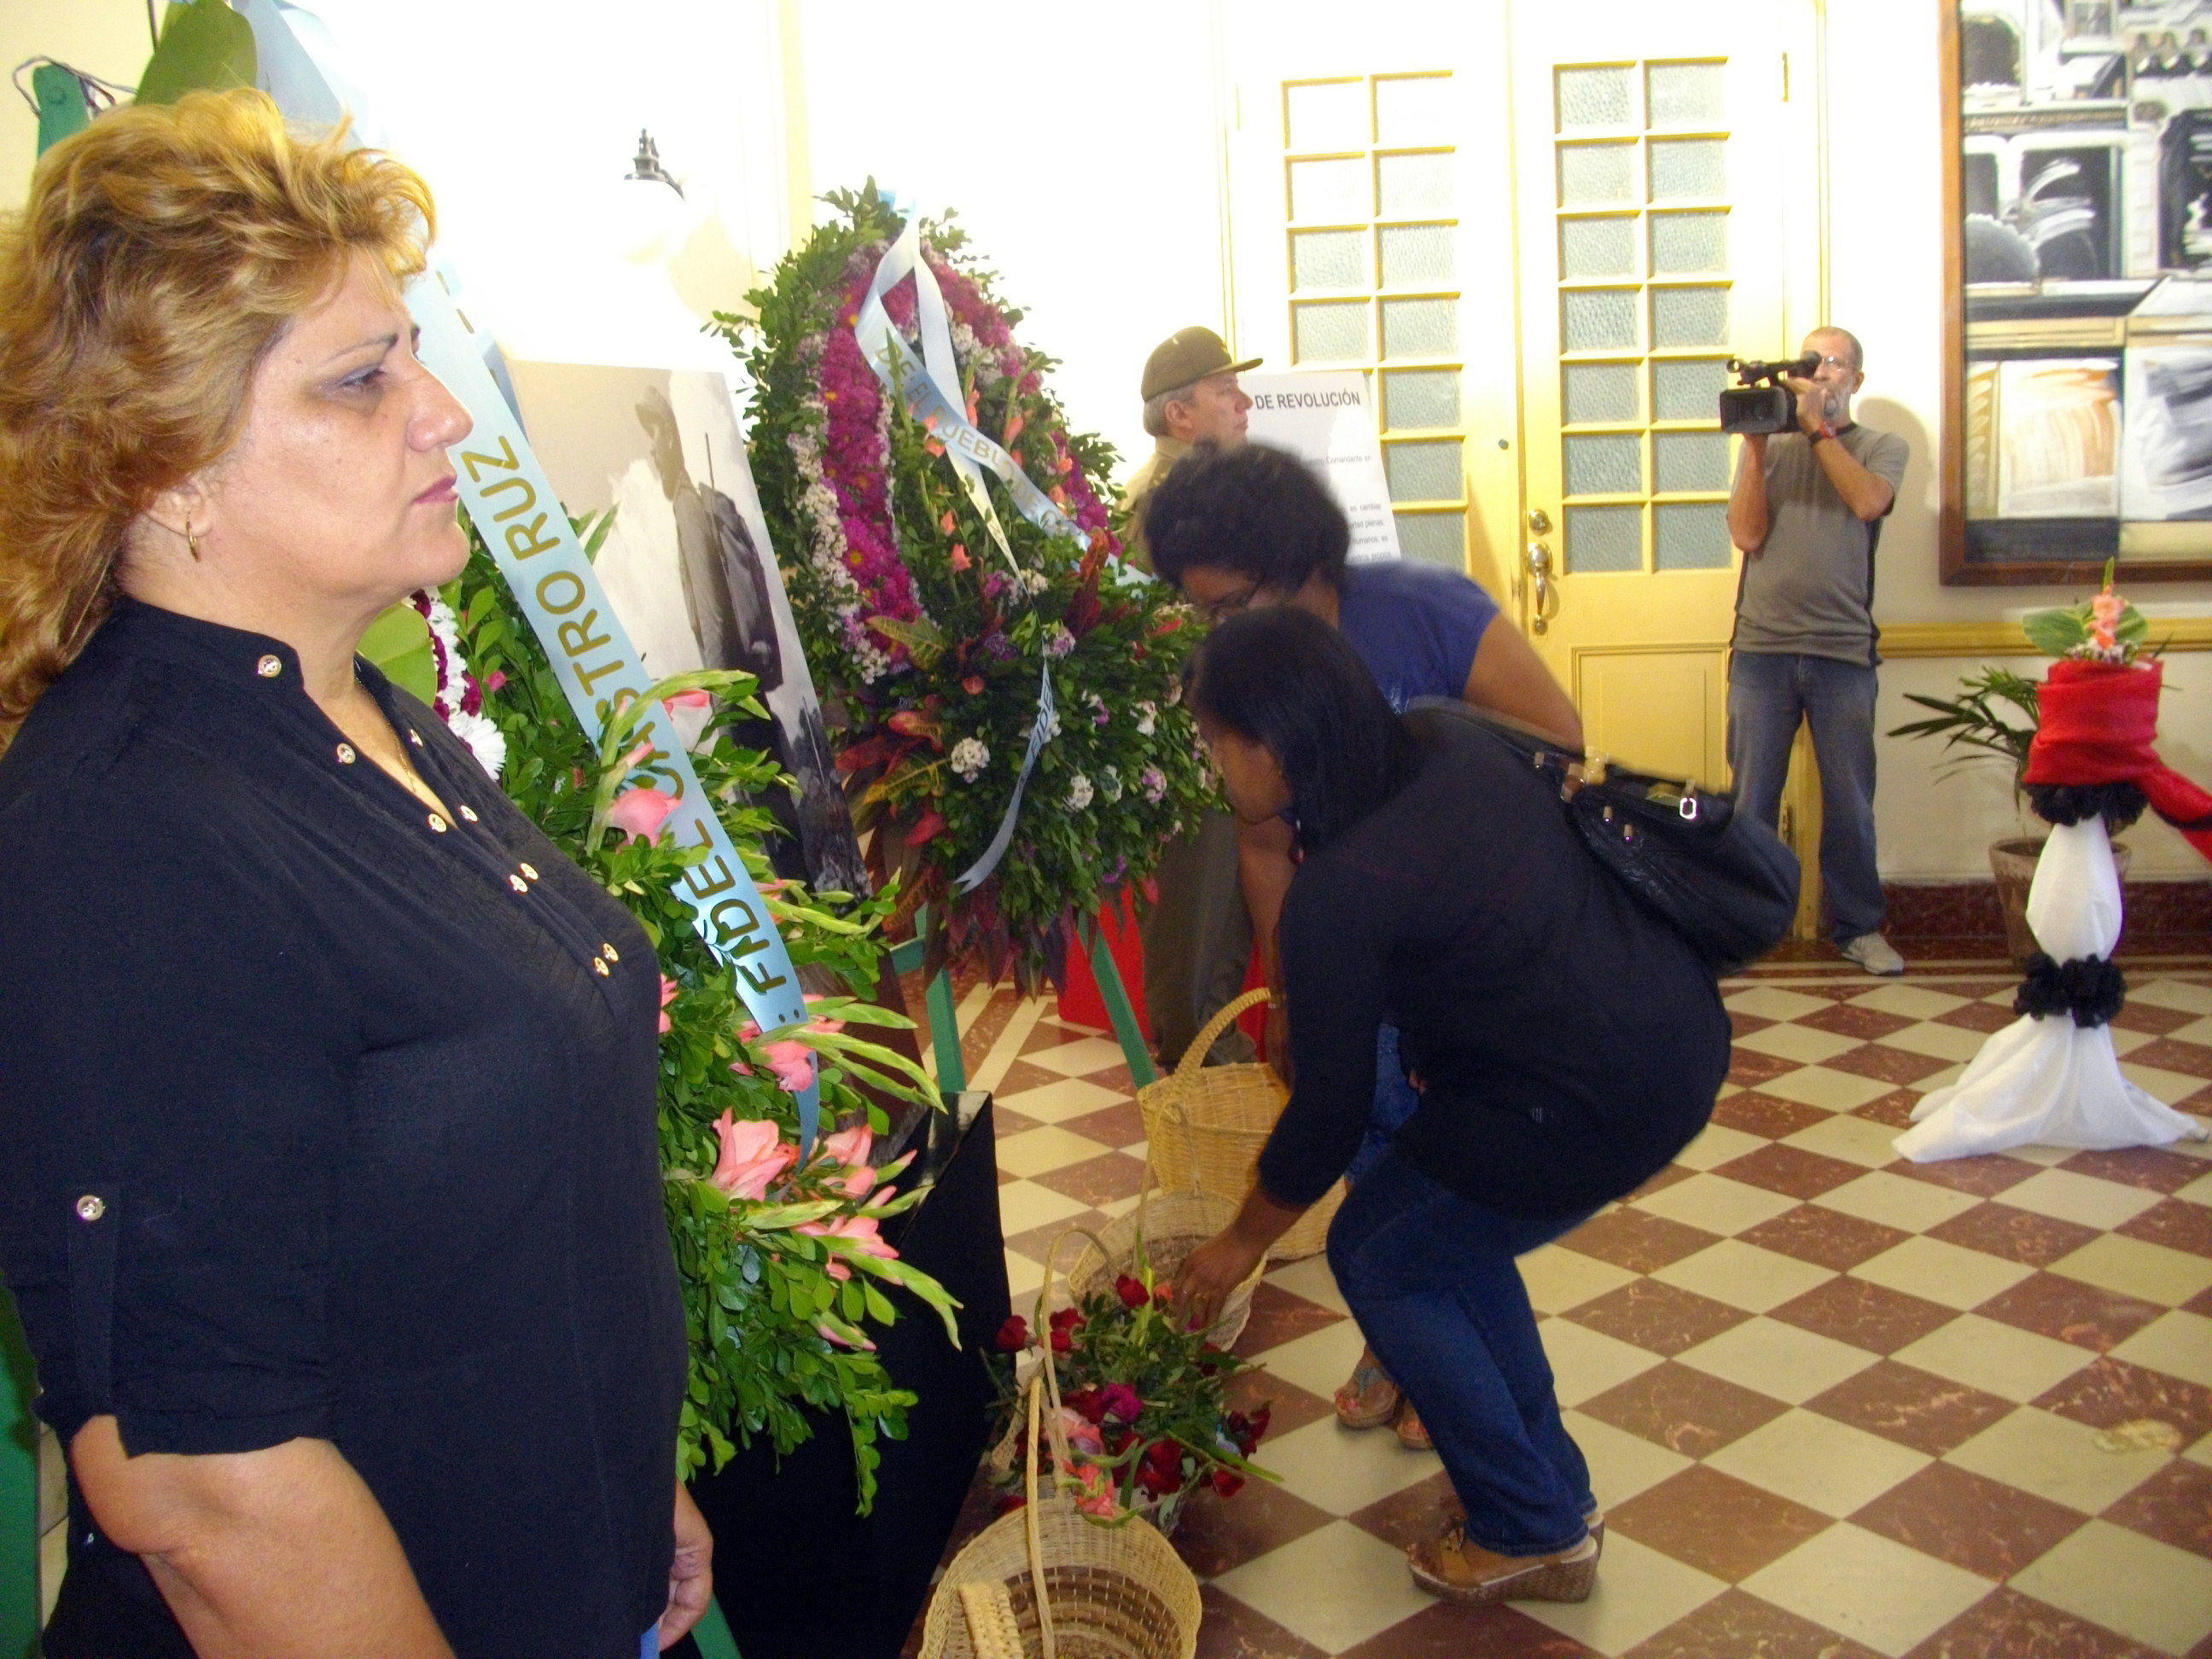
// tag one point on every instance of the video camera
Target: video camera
(1760, 404)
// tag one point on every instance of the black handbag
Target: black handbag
(1723, 879)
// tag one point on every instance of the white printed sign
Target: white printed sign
(1327, 421)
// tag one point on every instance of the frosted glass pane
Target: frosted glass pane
(1689, 317)
(1329, 334)
(1413, 110)
(1412, 398)
(1329, 116)
(1596, 175)
(1688, 170)
(1420, 328)
(1689, 460)
(1330, 190)
(1597, 247)
(1604, 538)
(1434, 539)
(1414, 186)
(1684, 244)
(1604, 466)
(1596, 98)
(1592, 393)
(1690, 536)
(1418, 256)
(1422, 472)
(1328, 258)
(1604, 320)
(1687, 95)
(1688, 391)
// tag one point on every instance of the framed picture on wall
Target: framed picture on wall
(2078, 386)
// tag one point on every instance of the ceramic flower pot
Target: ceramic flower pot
(2012, 864)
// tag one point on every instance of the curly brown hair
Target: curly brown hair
(163, 251)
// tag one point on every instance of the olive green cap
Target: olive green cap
(1186, 357)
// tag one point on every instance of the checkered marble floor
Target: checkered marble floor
(1835, 1404)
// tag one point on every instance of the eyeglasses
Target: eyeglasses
(1213, 610)
(1842, 365)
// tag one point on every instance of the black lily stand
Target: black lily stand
(797, 1574)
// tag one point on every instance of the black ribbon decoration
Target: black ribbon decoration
(2119, 804)
(2089, 988)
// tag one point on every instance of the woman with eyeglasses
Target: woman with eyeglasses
(1564, 1043)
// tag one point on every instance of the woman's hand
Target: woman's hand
(691, 1575)
(1211, 1272)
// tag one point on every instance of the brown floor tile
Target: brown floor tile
(1447, 1630)
(1743, 1026)
(1736, 1625)
(1980, 989)
(1227, 1629)
(1098, 1182)
(1983, 1017)
(1659, 1317)
(1828, 1238)
(1022, 1075)
(1791, 1170)
(2152, 1168)
(1277, 1316)
(1863, 1314)
(2084, 1315)
(1895, 1108)
(2017, 1234)
(1985, 1176)
(2199, 1303)
(2149, 1017)
(2173, 1506)
(1050, 1034)
(1217, 1533)
(1748, 1067)
(1867, 1024)
(1412, 1514)
(1293, 1408)
(1716, 1522)
(1007, 1123)
(1114, 1077)
(2006, 1624)
(1756, 1113)
(2176, 1223)
(1638, 1241)
(1667, 1176)
(1120, 1125)
(1683, 1410)
(2109, 1391)
(1929, 1413)
(1037, 1240)
(2172, 1055)
(1876, 1060)
(1982, 1525)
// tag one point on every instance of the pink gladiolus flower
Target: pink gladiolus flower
(1094, 1493)
(1082, 1433)
(685, 700)
(638, 755)
(861, 1231)
(669, 988)
(858, 1182)
(850, 1146)
(831, 1026)
(753, 1154)
(825, 1332)
(791, 1063)
(960, 561)
(640, 811)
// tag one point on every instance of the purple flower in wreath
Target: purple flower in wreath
(1154, 783)
(1060, 642)
(996, 644)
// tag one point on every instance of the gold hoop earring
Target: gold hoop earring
(191, 542)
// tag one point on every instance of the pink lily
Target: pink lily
(850, 1146)
(861, 1231)
(753, 1154)
(640, 811)
(669, 988)
(859, 1183)
(686, 700)
(793, 1063)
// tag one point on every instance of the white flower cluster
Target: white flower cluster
(1035, 581)
(1078, 791)
(1147, 714)
(1109, 785)
(969, 757)
(485, 741)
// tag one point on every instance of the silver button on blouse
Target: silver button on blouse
(437, 824)
(346, 755)
(270, 666)
(91, 1207)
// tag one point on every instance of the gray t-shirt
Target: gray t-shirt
(1810, 590)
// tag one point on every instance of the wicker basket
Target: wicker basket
(1205, 1124)
(1072, 1587)
(1168, 1226)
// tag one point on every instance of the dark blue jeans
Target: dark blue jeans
(1430, 1277)
(1767, 697)
(1395, 1101)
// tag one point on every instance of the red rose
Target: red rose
(1159, 1471)
(1013, 1335)
(1228, 1482)
(1010, 1502)
(1066, 1320)
(1131, 1290)
(1062, 1342)
(1088, 1400)
(1118, 1440)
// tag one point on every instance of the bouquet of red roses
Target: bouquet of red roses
(1144, 1405)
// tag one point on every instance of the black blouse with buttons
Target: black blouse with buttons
(322, 1115)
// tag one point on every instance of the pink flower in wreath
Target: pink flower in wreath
(791, 1063)
(754, 1153)
(1095, 1492)
(861, 1231)
(850, 1146)
(669, 988)
(685, 700)
(1082, 1435)
(641, 811)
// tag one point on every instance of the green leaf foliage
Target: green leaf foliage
(205, 46)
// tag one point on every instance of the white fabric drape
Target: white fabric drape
(2050, 1082)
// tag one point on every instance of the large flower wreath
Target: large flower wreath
(927, 640)
(781, 1259)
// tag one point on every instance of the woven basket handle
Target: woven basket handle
(1031, 1528)
(1050, 1376)
(1193, 1058)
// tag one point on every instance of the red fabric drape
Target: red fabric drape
(2097, 723)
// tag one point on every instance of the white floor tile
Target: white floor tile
(2057, 1458)
(1716, 1204)
(1049, 1102)
(1779, 1361)
(1586, 1363)
(1807, 1045)
(2127, 1582)
(1998, 1359)
(2180, 1344)
(1344, 1470)
(1831, 1091)
(2078, 1198)
(1717, 1144)
(1743, 1275)
(1335, 1587)
(1943, 1272)
(1639, 1593)
(1560, 1279)
(1622, 1464)
(1817, 1462)
(1866, 1586)
(1896, 1200)
(1854, 1140)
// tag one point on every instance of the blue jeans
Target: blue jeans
(1395, 1101)
(1767, 695)
(1430, 1277)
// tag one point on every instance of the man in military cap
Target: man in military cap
(1191, 397)
(1198, 938)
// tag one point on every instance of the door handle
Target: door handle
(1539, 574)
(1539, 522)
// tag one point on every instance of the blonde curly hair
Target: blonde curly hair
(163, 251)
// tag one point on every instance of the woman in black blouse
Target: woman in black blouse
(328, 1183)
(1565, 1044)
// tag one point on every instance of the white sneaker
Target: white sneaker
(1873, 953)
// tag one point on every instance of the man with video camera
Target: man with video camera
(1806, 511)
